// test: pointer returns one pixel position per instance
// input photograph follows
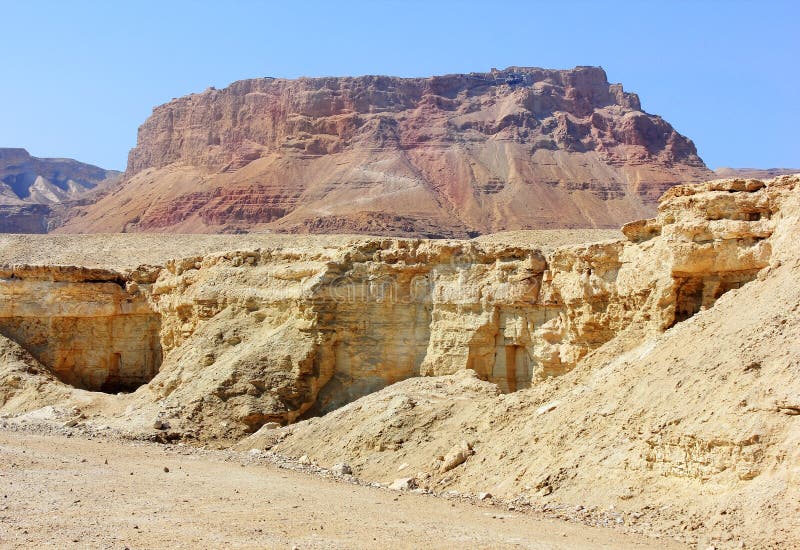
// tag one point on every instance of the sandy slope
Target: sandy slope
(696, 429)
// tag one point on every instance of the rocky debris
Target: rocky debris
(403, 484)
(445, 156)
(341, 469)
(791, 409)
(546, 408)
(656, 522)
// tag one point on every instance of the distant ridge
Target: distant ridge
(32, 189)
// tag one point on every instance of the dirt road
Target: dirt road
(63, 492)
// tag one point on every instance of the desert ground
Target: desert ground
(72, 491)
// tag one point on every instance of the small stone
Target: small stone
(403, 484)
(456, 456)
(255, 452)
(166, 470)
(304, 460)
(341, 469)
(484, 496)
(547, 407)
(402, 467)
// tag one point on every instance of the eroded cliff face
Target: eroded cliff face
(91, 327)
(277, 333)
(272, 335)
(703, 414)
(445, 156)
(606, 380)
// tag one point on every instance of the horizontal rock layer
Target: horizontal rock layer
(446, 156)
(276, 333)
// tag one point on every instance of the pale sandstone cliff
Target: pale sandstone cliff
(91, 327)
(692, 431)
(445, 156)
(271, 334)
(650, 368)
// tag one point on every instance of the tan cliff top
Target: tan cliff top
(129, 250)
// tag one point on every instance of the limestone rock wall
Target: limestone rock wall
(89, 327)
(271, 335)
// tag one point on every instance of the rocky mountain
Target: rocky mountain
(33, 190)
(445, 156)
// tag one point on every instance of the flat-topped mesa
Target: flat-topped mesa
(263, 113)
(443, 156)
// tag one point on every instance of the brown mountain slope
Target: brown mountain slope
(452, 155)
(757, 173)
(33, 189)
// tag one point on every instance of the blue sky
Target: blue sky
(79, 77)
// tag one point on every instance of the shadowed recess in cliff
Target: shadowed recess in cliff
(91, 330)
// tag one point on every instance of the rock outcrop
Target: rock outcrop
(275, 333)
(446, 156)
(294, 331)
(36, 193)
(90, 327)
(690, 431)
(606, 380)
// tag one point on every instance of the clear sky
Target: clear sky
(79, 77)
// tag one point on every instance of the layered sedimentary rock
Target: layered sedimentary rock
(36, 193)
(446, 156)
(703, 414)
(90, 327)
(275, 333)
